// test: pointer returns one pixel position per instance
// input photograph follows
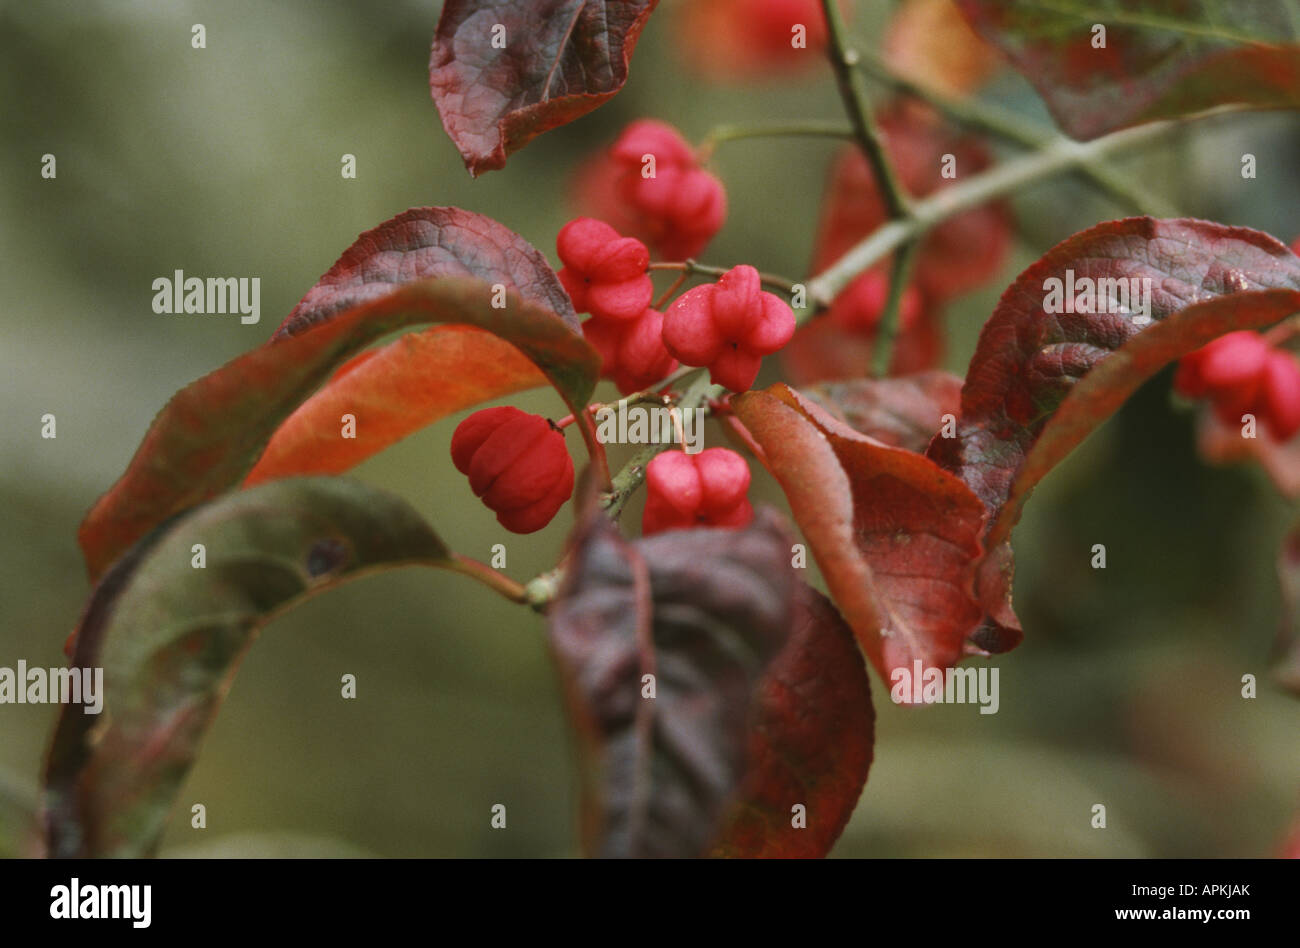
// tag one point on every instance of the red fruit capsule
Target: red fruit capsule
(1280, 395)
(517, 463)
(708, 489)
(676, 204)
(728, 326)
(632, 351)
(604, 274)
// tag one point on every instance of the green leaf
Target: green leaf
(169, 637)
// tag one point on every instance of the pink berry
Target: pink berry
(708, 489)
(728, 326)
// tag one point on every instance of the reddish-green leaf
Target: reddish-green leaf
(1160, 58)
(810, 741)
(1040, 382)
(895, 535)
(502, 72)
(904, 411)
(426, 242)
(704, 612)
(208, 437)
(169, 638)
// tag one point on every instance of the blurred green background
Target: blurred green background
(225, 161)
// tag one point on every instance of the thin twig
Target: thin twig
(731, 133)
(694, 268)
(853, 92)
(882, 350)
(497, 582)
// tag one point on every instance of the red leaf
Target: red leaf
(903, 411)
(1040, 382)
(556, 61)
(896, 536)
(168, 639)
(1160, 59)
(702, 611)
(810, 741)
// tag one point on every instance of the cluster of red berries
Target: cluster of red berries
(606, 275)
(1241, 373)
(649, 184)
(726, 326)
(678, 204)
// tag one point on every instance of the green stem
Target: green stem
(1058, 156)
(887, 329)
(853, 92)
(736, 132)
(693, 268)
(1007, 125)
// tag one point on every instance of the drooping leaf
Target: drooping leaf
(895, 535)
(704, 612)
(905, 411)
(810, 743)
(1040, 382)
(1287, 650)
(210, 434)
(169, 637)
(502, 72)
(1160, 58)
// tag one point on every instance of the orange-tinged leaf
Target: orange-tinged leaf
(896, 536)
(931, 43)
(395, 391)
